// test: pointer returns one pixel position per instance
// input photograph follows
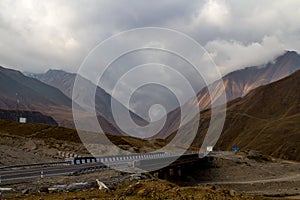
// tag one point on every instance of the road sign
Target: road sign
(235, 148)
(209, 148)
(22, 120)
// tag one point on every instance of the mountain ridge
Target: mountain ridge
(237, 84)
(266, 119)
(64, 81)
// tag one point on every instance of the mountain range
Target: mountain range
(64, 81)
(266, 119)
(51, 93)
(262, 110)
(24, 93)
(31, 93)
(238, 84)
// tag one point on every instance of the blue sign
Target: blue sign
(235, 148)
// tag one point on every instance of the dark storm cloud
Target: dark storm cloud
(37, 35)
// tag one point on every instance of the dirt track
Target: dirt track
(262, 181)
(276, 178)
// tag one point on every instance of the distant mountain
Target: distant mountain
(266, 119)
(25, 93)
(238, 84)
(18, 91)
(64, 81)
(31, 93)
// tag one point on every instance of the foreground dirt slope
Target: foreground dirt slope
(146, 190)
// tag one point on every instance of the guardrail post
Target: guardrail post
(42, 174)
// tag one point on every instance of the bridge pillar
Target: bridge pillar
(177, 173)
(174, 173)
(164, 173)
(160, 174)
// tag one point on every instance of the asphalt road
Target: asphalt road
(14, 175)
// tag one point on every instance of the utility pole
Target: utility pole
(17, 107)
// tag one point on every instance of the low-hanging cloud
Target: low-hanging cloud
(232, 55)
(37, 35)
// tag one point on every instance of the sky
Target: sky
(37, 35)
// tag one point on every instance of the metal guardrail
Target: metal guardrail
(34, 165)
(83, 160)
(88, 170)
(72, 160)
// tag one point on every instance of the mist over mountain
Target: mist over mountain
(51, 93)
(237, 84)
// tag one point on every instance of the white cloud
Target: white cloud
(37, 35)
(232, 55)
(214, 13)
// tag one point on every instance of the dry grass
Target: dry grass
(143, 190)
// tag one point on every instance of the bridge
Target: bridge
(77, 166)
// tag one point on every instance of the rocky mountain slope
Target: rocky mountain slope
(267, 119)
(31, 93)
(64, 81)
(238, 84)
(26, 93)
(241, 82)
